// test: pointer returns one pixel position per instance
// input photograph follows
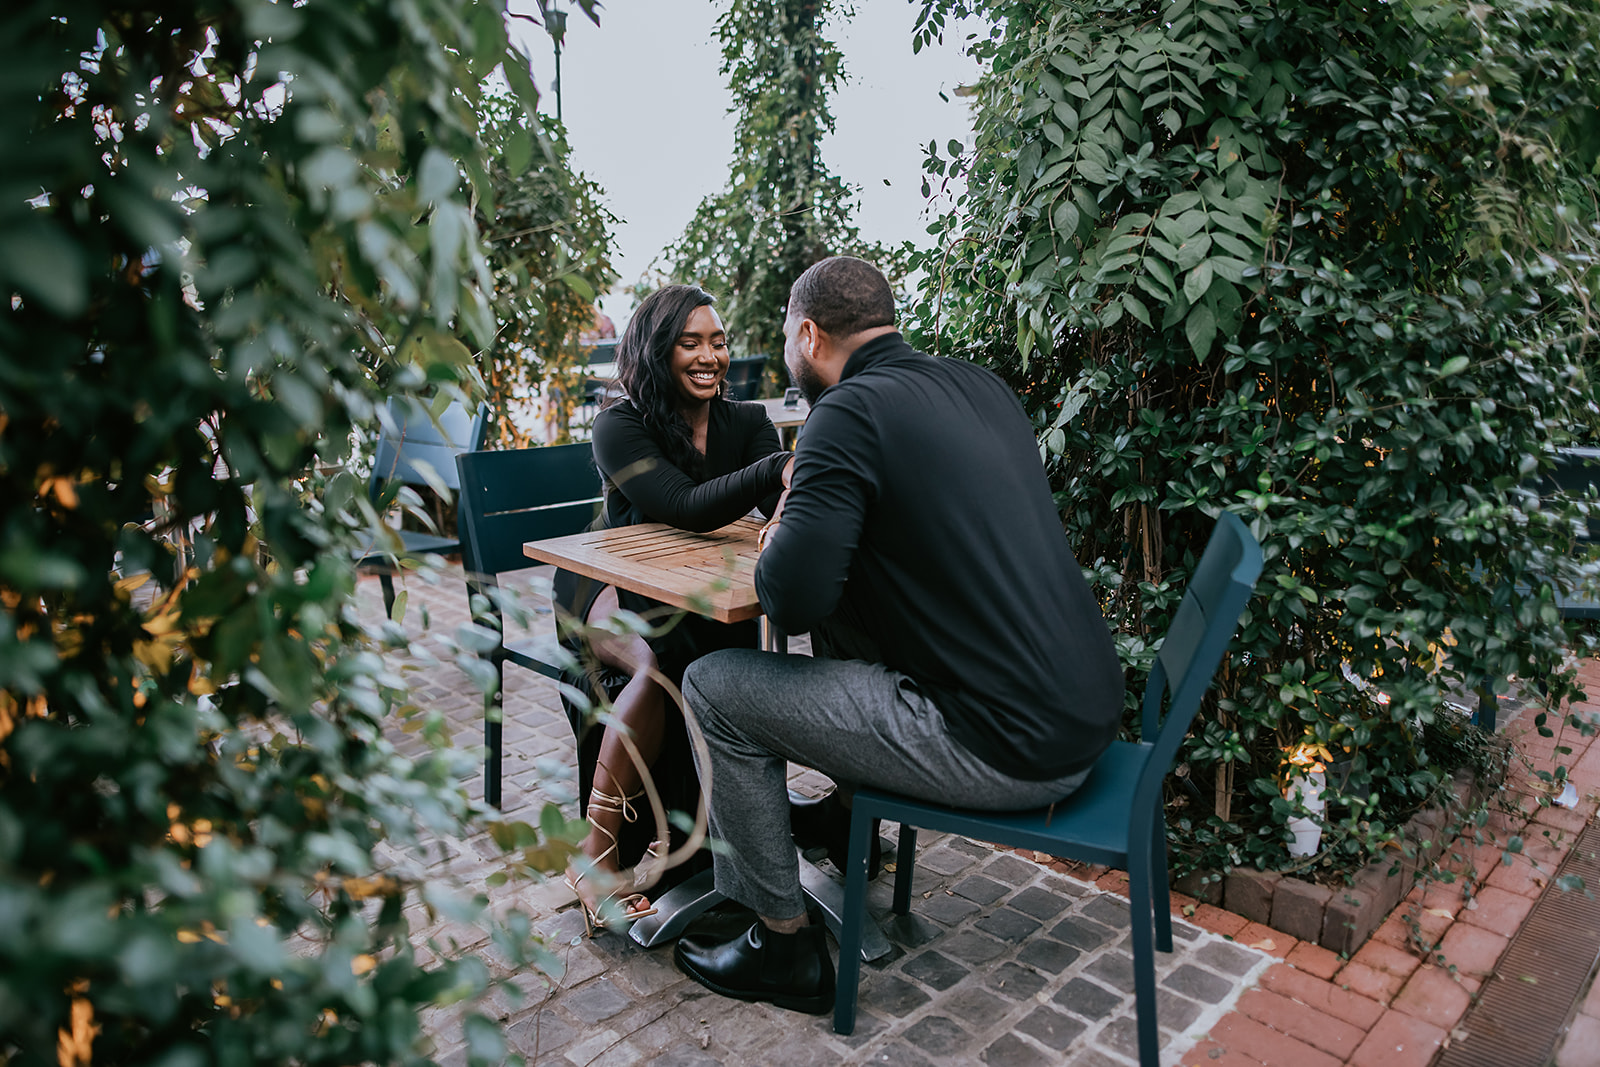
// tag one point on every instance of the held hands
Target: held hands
(777, 512)
(772, 524)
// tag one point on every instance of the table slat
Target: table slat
(667, 564)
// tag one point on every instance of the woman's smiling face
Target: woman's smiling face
(700, 357)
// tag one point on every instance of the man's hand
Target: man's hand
(777, 512)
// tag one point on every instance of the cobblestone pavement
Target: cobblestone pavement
(1003, 960)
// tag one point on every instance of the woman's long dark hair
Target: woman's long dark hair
(644, 368)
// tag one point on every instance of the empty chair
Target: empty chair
(1115, 817)
(508, 498)
(406, 438)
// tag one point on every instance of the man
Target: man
(960, 656)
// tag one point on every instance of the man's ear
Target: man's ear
(810, 337)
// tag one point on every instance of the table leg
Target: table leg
(772, 638)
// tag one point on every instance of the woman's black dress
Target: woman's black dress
(741, 471)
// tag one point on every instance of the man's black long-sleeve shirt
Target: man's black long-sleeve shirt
(920, 514)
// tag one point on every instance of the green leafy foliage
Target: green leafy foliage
(1327, 265)
(227, 232)
(782, 210)
(549, 246)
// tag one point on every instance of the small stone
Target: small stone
(1052, 1028)
(1016, 982)
(937, 1035)
(1229, 959)
(1087, 999)
(936, 970)
(1011, 1051)
(1200, 984)
(1040, 903)
(1115, 969)
(1080, 933)
(893, 995)
(980, 889)
(1007, 925)
(1108, 909)
(1051, 956)
(948, 909)
(972, 947)
(1012, 870)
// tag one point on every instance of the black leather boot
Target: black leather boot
(825, 823)
(791, 971)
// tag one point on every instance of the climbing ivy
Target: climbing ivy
(782, 210)
(549, 250)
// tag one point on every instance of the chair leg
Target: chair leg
(387, 581)
(492, 719)
(1159, 889)
(1144, 964)
(855, 910)
(905, 864)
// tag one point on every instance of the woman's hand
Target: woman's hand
(772, 524)
(788, 475)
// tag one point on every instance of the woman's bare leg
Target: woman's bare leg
(641, 709)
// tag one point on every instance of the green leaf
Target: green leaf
(1454, 365)
(1066, 218)
(437, 176)
(1198, 281)
(519, 151)
(1201, 330)
(1136, 308)
(1192, 251)
(580, 286)
(1158, 270)
(45, 265)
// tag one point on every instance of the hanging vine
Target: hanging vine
(782, 210)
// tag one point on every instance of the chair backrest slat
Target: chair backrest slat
(744, 377)
(524, 494)
(409, 434)
(1201, 629)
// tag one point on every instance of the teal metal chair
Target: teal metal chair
(408, 436)
(1115, 817)
(744, 377)
(508, 498)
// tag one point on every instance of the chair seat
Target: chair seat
(1091, 823)
(412, 543)
(533, 652)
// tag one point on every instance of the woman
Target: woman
(670, 449)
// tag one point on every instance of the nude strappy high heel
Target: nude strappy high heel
(634, 905)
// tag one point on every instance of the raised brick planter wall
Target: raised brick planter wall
(1340, 919)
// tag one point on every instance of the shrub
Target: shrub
(1328, 265)
(548, 242)
(246, 226)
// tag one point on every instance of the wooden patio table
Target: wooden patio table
(785, 418)
(712, 574)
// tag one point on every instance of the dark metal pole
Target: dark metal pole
(556, 23)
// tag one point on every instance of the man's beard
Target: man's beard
(808, 381)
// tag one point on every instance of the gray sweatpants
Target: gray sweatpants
(860, 723)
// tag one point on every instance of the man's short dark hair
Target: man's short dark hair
(843, 295)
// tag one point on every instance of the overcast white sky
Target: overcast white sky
(647, 115)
